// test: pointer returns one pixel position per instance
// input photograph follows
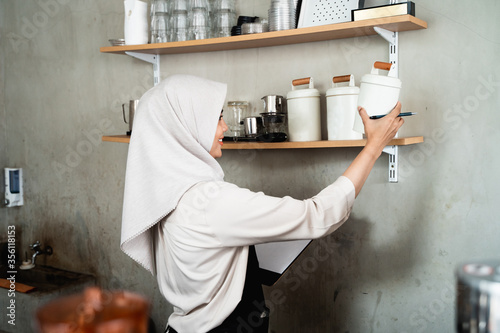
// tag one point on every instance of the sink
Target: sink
(47, 279)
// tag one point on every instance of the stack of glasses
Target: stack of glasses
(199, 22)
(180, 20)
(225, 18)
(282, 15)
(160, 27)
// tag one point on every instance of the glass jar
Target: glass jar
(274, 122)
(236, 112)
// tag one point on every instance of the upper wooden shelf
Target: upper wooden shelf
(275, 38)
(291, 145)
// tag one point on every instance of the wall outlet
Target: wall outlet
(13, 187)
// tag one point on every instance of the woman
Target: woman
(194, 231)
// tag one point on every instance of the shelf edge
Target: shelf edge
(317, 144)
(277, 38)
(290, 145)
(116, 138)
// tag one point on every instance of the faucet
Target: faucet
(37, 247)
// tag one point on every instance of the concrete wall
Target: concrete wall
(389, 269)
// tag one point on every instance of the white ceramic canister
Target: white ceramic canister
(378, 94)
(304, 117)
(136, 22)
(341, 108)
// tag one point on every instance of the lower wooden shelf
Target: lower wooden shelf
(116, 138)
(291, 145)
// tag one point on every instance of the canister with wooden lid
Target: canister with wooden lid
(378, 94)
(341, 108)
(304, 116)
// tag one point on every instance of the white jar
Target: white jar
(136, 22)
(341, 108)
(304, 117)
(378, 94)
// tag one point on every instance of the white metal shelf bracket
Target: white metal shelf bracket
(392, 151)
(392, 38)
(152, 59)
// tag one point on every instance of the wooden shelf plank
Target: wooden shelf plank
(317, 144)
(116, 138)
(291, 145)
(275, 38)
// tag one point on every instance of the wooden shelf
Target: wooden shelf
(116, 138)
(291, 145)
(275, 38)
(317, 144)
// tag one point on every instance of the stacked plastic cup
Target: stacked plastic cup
(199, 22)
(160, 25)
(224, 18)
(179, 20)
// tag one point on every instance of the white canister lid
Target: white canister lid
(381, 80)
(301, 93)
(337, 90)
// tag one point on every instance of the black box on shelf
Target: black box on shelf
(384, 11)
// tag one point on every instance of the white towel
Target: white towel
(174, 128)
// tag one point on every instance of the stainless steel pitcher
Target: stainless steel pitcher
(274, 104)
(131, 112)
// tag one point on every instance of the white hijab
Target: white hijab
(174, 128)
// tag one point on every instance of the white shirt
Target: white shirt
(201, 248)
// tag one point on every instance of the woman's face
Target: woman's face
(216, 150)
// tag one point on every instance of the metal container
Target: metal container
(132, 107)
(273, 103)
(253, 126)
(478, 297)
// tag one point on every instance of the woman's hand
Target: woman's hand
(380, 131)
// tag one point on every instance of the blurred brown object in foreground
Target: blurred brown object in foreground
(95, 311)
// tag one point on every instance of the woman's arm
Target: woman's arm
(378, 133)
